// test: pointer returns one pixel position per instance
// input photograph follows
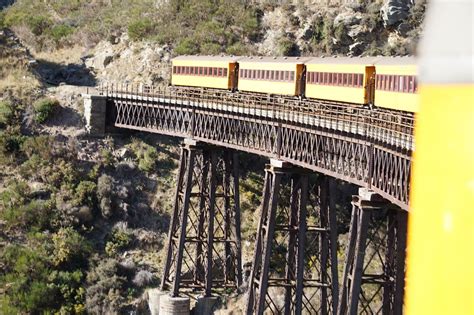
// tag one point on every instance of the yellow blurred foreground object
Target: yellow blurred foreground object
(440, 260)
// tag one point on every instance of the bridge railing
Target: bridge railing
(387, 127)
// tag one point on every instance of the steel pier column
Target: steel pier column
(204, 243)
(374, 270)
(294, 249)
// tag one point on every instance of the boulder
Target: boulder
(395, 11)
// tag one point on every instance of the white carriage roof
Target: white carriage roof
(208, 58)
(259, 59)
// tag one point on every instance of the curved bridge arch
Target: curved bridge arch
(369, 148)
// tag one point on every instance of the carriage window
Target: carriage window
(292, 75)
(225, 72)
(339, 79)
(214, 71)
(415, 84)
(395, 83)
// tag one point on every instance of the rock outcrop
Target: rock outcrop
(395, 11)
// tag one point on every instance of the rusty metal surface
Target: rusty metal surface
(370, 148)
(204, 243)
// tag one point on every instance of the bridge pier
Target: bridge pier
(295, 258)
(204, 242)
(374, 278)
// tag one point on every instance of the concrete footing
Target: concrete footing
(205, 305)
(174, 305)
(154, 296)
(95, 114)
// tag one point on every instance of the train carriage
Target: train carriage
(217, 72)
(273, 75)
(340, 79)
(396, 84)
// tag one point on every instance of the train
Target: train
(385, 82)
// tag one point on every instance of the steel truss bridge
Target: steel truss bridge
(295, 267)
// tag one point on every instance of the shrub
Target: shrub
(286, 47)
(140, 29)
(68, 287)
(238, 49)
(119, 240)
(187, 46)
(60, 31)
(143, 278)
(70, 248)
(6, 113)
(145, 154)
(25, 279)
(10, 142)
(85, 193)
(104, 295)
(40, 145)
(104, 195)
(44, 108)
(38, 24)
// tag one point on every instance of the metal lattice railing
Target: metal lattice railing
(368, 147)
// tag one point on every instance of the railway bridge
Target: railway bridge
(297, 266)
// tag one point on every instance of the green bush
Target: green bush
(187, 46)
(25, 279)
(60, 31)
(140, 29)
(44, 108)
(6, 113)
(145, 154)
(10, 143)
(286, 47)
(39, 24)
(118, 240)
(86, 193)
(2, 19)
(70, 248)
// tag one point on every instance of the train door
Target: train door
(233, 76)
(369, 85)
(300, 80)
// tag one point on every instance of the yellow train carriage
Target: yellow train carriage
(217, 72)
(282, 75)
(340, 79)
(396, 84)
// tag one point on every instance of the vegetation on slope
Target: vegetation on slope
(214, 27)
